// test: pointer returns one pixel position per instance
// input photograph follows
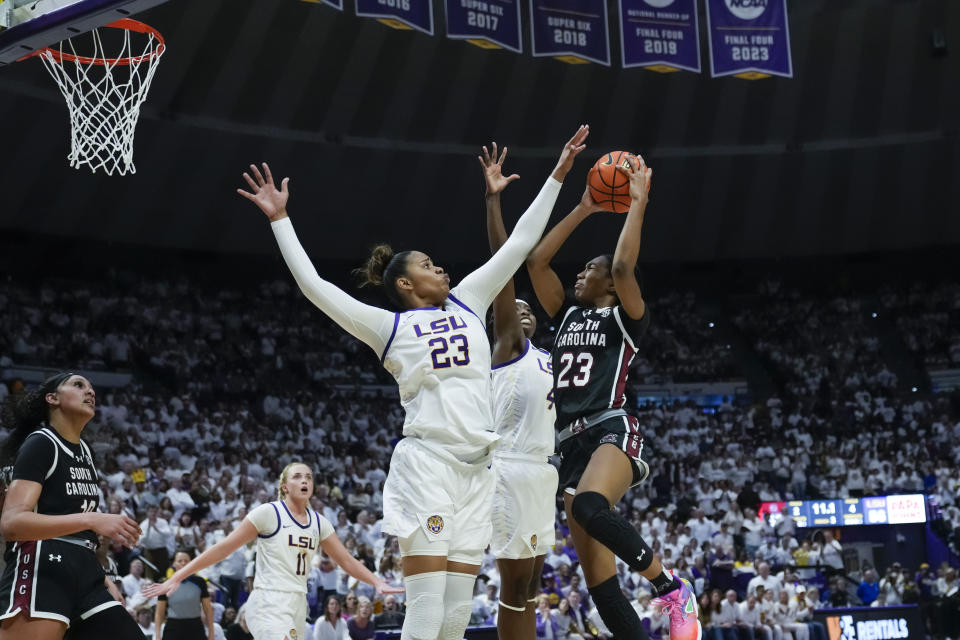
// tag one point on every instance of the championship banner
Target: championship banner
(574, 31)
(399, 14)
(336, 4)
(489, 24)
(661, 35)
(749, 38)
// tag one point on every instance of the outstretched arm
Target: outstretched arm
(332, 546)
(20, 521)
(628, 246)
(481, 287)
(369, 324)
(508, 334)
(546, 283)
(240, 536)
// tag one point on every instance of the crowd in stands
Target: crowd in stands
(682, 345)
(230, 386)
(929, 319)
(816, 347)
(178, 334)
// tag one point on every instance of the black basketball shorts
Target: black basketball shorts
(185, 629)
(55, 580)
(575, 452)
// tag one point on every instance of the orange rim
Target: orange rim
(123, 23)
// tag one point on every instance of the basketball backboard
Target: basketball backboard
(28, 25)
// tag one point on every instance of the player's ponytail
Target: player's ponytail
(382, 268)
(374, 269)
(24, 413)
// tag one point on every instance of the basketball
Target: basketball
(608, 187)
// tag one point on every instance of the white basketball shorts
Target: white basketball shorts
(449, 500)
(524, 506)
(273, 615)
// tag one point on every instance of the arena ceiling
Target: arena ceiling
(378, 130)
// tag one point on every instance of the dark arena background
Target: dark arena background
(798, 388)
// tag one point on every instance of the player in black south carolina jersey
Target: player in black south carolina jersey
(600, 443)
(53, 580)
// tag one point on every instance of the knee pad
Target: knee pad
(592, 512)
(586, 506)
(425, 613)
(455, 621)
(457, 605)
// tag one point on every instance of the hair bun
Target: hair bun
(373, 269)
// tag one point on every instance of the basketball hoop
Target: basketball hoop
(104, 94)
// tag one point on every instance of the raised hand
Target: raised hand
(165, 588)
(640, 176)
(265, 194)
(117, 527)
(588, 203)
(493, 170)
(570, 150)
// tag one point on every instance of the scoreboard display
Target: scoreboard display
(875, 510)
(852, 513)
(848, 512)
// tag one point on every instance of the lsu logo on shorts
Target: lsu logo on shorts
(533, 542)
(435, 524)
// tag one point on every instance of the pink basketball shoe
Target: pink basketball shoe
(681, 605)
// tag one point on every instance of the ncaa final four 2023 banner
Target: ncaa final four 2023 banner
(749, 38)
(661, 35)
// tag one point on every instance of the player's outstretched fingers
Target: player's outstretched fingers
(253, 185)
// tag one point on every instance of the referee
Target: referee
(178, 615)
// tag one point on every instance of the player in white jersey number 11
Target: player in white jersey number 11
(288, 533)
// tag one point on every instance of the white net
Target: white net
(104, 93)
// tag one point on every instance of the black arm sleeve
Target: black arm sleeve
(35, 458)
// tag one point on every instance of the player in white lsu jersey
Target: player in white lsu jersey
(526, 484)
(438, 495)
(288, 533)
